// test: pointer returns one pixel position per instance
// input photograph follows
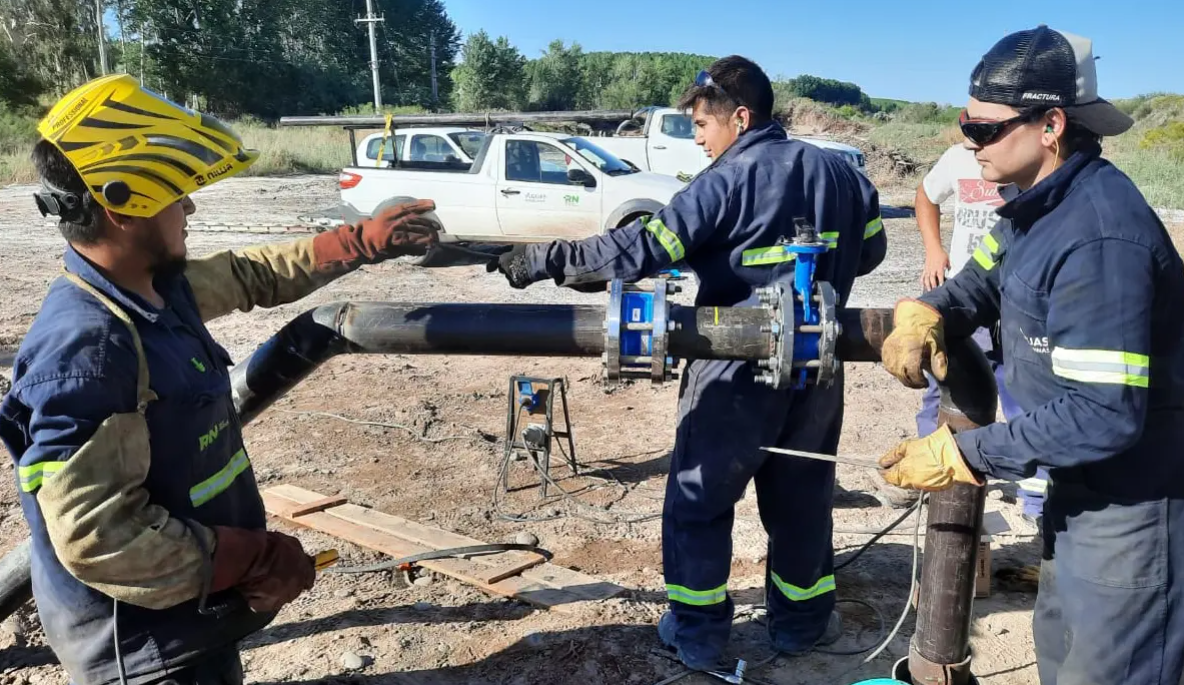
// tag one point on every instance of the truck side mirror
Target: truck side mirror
(579, 177)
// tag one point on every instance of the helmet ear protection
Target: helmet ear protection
(66, 205)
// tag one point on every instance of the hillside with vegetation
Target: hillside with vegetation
(218, 56)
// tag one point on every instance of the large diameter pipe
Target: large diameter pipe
(940, 646)
(474, 329)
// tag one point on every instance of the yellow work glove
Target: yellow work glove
(930, 463)
(917, 342)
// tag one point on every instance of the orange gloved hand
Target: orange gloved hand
(268, 568)
(930, 463)
(408, 228)
(917, 342)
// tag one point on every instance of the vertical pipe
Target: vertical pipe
(939, 653)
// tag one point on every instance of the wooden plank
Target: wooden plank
(313, 507)
(499, 566)
(546, 585)
(460, 569)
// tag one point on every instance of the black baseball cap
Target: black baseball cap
(1042, 67)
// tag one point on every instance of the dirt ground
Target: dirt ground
(437, 630)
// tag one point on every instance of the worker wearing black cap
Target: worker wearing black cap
(1089, 293)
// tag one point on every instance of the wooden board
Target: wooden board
(518, 574)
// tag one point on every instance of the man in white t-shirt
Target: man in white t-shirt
(958, 174)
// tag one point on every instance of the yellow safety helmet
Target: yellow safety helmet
(138, 152)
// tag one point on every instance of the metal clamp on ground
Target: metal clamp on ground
(636, 331)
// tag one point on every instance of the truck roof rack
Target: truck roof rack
(486, 119)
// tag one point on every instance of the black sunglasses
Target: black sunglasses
(985, 131)
(704, 80)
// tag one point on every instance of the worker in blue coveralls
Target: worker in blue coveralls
(150, 556)
(729, 225)
(1089, 292)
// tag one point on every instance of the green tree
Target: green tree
(555, 79)
(54, 41)
(18, 88)
(829, 91)
(628, 80)
(492, 75)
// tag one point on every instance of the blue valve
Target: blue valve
(806, 247)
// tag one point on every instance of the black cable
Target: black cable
(879, 631)
(471, 550)
(915, 506)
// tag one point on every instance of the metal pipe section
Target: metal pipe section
(462, 119)
(939, 653)
(310, 339)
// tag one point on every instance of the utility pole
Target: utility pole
(432, 38)
(102, 37)
(370, 21)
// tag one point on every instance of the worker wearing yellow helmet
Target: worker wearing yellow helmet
(150, 555)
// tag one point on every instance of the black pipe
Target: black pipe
(939, 653)
(312, 338)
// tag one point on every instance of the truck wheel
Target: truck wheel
(633, 217)
(645, 215)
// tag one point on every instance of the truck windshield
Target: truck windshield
(604, 160)
(468, 141)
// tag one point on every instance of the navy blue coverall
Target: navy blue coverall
(76, 367)
(726, 224)
(1089, 292)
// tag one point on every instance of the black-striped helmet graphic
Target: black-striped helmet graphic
(147, 152)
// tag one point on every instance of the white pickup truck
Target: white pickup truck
(519, 187)
(666, 144)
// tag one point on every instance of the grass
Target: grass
(302, 150)
(282, 150)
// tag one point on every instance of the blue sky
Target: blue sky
(924, 52)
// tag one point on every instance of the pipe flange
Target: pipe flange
(658, 336)
(829, 337)
(783, 329)
(612, 331)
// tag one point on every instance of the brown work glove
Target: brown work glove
(933, 462)
(917, 342)
(269, 569)
(397, 231)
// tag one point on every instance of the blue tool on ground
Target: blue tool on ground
(535, 397)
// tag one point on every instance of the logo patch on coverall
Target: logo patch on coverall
(208, 439)
(1039, 344)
